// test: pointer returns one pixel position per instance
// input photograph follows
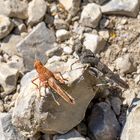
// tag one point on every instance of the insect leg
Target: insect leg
(34, 82)
(58, 76)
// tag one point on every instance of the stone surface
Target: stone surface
(121, 7)
(131, 127)
(62, 35)
(5, 26)
(103, 124)
(33, 113)
(38, 41)
(125, 64)
(71, 135)
(60, 24)
(101, 2)
(9, 44)
(8, 78)
(36, 11)
(116, 105)
(91, 15)
(94, 42)
(67, 50)
(72, 6)
(14, 8)
(7, 130)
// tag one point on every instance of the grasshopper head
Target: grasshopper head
(37, 64)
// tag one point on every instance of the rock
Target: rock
(104, 23)
(103, 124)
(7, 130)
(54, 58)
(67, 50)
(116, 105)
(94, 42)
(6, 26)
(33, 113)
(9, 44)
(38, 41)
(100, 2)
(36, 11)
(14, 8)
(71, 135)
(131, 127)
(1, 106)
(8, 78)
(104, 34)
(125, 7)
(91, 15)
(60, 24)
(82, 129)
(72, 6)
(125, 64)
(62, 35)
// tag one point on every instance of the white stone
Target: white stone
(121, 7)
(5, 26)
(67, 50)
(94, 42)
(62, 35)
(36, 11)
(14, 8)
(124, 64)
(104, 34)
(91, 15)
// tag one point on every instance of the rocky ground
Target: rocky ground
(50, 31)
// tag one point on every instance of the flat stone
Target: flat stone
(33, 113)
(8, 78)
(38, 41)
(9, 43)
(94, 42)
(131, 127)
(6, 26)
(7, 130)
(71, 135)
(103, 124)
(36, 11)
(121, 7)
(62, 35)
(14, 8)
(91, 15)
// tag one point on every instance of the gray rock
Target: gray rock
(94, 42)
(1, 106)
(36, 11)
(71, 135)
(91, 15)
(7, 130)
(103, 124)
(131, 127)
(14, 8)
(125, 64)
(62, 35)
(33, 113)
(8, 78)
(6, 26)
(101, 2)
(9, 44)
(38, 41)
(116, 105)
(121, 7)
(60, 24)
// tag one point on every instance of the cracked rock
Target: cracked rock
(38, 41)
(91, 15)
(33, 113)
(6, 26)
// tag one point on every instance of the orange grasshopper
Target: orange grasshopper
(48, 79)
